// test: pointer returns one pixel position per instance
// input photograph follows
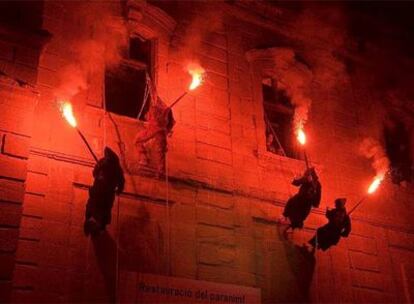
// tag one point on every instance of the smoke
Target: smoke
(196, 26)
(373, 150)
(294, 78)
(99, 37)
(323, 29)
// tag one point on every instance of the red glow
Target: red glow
(301, 136)
(375, 184)
(67, 113)
(196, 71)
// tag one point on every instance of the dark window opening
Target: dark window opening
(279, 112)
(398, 151)
(125, 88)
(126, 85)
(140, 50)
(22, 14)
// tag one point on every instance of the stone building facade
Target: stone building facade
(213, 217)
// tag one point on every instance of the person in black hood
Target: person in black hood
(339, 225)
(108, 180)
(299, 206)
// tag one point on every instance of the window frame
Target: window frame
(139, 66)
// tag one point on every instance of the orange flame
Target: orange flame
(197, 73)
(301, 136)
(67, 113)
(375, 184)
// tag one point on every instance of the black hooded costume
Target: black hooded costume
(339, 224)
(108, 179)
(299, 206)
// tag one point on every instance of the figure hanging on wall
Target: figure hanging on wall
(108, 180)
(299, 206)
(339, 224)
(152, 143)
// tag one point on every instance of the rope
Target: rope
(316, 267)
(269, 125)
(148, 87)
(167, 204)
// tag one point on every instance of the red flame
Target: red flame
(196, 71)
(375, 184)
(67, 113)
(301, 136)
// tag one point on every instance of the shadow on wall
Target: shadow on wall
(142, 242)
(284, 271)
(106, 256)
(140, 249)
(302, 265)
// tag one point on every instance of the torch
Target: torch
(197, 75)
(371, 189)
(67, 113)
(301, 136)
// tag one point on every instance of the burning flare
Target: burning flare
(375, 184)
(67, 113)
(196, 72)
(301, 136)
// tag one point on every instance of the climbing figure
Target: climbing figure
(299, 206)
(151, 143)
(339, 224)
(108, 180)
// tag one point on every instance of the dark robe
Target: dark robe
(339, 224)
(160, 122)
(299, 206)
(108, 179)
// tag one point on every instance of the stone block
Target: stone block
(183, 213)
(213, 138)
(5, 291)
(213, 153)
(30, 228)
(182, 194)
(6, 51)
(217, 39)
(6, 266)
(25, 276)
(215, 217)
(10, 214)
(28, 252)
(215, 198)
(363, 261)
(366, 279)
(216, 235)
(11, 191)
(53, 256)
(38, 164)
(33, 205)
(218, 81)
(36, 183)
(214, 66)
(362, 244)
(212, 254)
(54, 211)
(55, 233)
(8, 239)
(15, 145)
(183, 259)
(213, 52)
(13, 167)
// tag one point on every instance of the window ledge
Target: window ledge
(292, 163)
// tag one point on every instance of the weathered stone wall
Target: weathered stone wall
(214, 217)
